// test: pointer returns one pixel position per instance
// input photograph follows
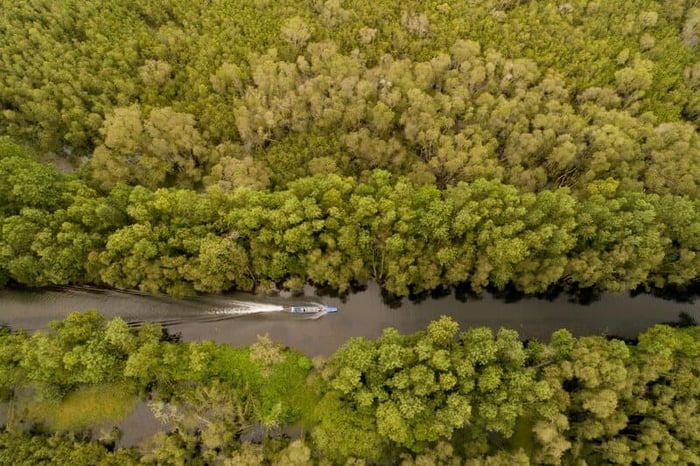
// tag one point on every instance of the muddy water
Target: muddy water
(362, 314)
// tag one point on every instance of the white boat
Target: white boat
(310, 308)
(243, 307)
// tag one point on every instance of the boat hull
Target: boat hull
(311, 308)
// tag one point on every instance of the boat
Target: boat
(244, 307)
(311, 308)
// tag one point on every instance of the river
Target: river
(362, 314)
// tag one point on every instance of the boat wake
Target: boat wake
(234, 310)
(246, 307)
(317, 315)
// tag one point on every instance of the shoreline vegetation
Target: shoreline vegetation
(335, 232)
(439, 396)
(265, 145)
(196, 147)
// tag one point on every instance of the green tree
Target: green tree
(618, 239)
(164, 148)
(414, 391)
(76, 354)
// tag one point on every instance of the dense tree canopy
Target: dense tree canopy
(423, 144)
(259, 145)
(337, 231)
(439, 396)
(70, 64)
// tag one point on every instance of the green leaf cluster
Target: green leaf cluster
(252, 145)
(439, 396)
(339, 231)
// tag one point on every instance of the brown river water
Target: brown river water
(362, 314)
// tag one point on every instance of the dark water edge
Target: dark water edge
(572, 292)
(462, 292)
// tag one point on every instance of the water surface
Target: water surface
(362, 314)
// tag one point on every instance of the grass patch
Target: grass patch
(85, 408)
(280, 392)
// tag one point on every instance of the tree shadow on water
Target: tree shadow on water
(170, 337)
(394, 301)
(584, 296)
(465, 293)
(437, 293)
(684, 320)
(509, 294)
(332, 292)
(679, 294)
(391, 300)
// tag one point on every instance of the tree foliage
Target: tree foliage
(439, 396)
(505, 143)
(257, 145)
(535, 94)
(338, 231)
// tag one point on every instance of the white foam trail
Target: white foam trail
(246, 307)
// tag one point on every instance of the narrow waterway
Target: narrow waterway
(362, 314)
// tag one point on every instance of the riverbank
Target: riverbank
(413, 397)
